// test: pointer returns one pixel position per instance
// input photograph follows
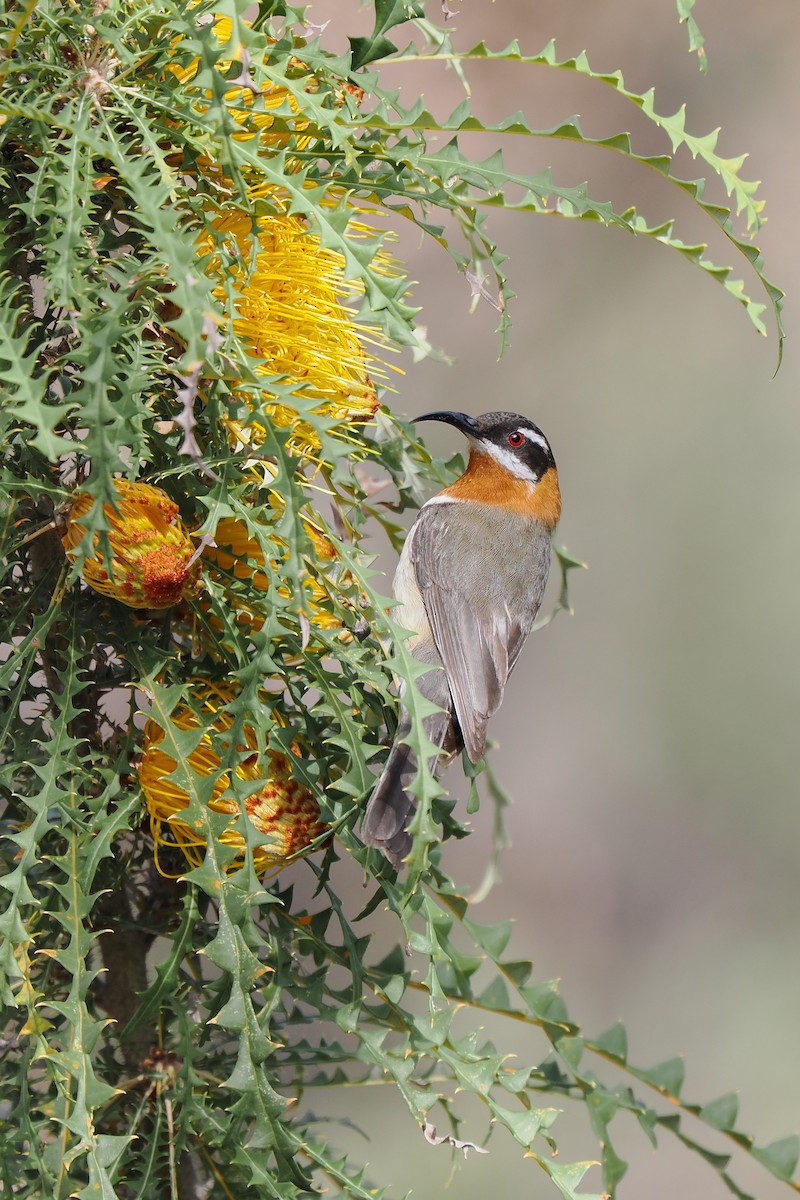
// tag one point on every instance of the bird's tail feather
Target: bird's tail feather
(391, 806)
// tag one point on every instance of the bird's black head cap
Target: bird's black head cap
(515, 441)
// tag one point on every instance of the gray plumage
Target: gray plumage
(470, 626)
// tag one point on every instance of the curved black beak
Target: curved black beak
(462, 421)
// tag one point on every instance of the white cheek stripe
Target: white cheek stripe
(508, 460)
(535, 437)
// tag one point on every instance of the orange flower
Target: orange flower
(237, 555)
(282, 808)
(151, 548)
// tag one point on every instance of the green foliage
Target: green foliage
(150, 154)
(696, 39)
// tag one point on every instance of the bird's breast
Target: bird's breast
(496, 560)
(410, 610)
(487, 482)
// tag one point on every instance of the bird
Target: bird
(468, 585)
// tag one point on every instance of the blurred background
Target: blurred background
(651, 740)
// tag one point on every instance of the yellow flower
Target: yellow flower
(282, 808)
(287, 294)
(151, 548)
(290, 313)
(237, 555)
(241, 101)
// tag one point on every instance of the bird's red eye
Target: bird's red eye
(516, 439)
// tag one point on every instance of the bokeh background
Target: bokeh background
(651, 740)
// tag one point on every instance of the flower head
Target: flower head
(287, 296)
(237, 560)
(291, 312)
(151, 564)
(282, 808)
(256, 109)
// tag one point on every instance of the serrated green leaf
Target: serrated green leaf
(743, 192)
(491, 938)
(721, 1113)
(388, 14)
(780, 1157)
(667, 1076)
(613, 1042)
(567, 1178)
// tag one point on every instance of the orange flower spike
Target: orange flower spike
(282, 808)
(286, 811)
(151, 548)
(323, 546)
(236, 550)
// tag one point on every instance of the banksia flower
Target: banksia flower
(258, 117)
(291, 315)
(288, 292)
(238, 556)
(151, 548)
(282, 808)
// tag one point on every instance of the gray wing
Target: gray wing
(481, 573)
